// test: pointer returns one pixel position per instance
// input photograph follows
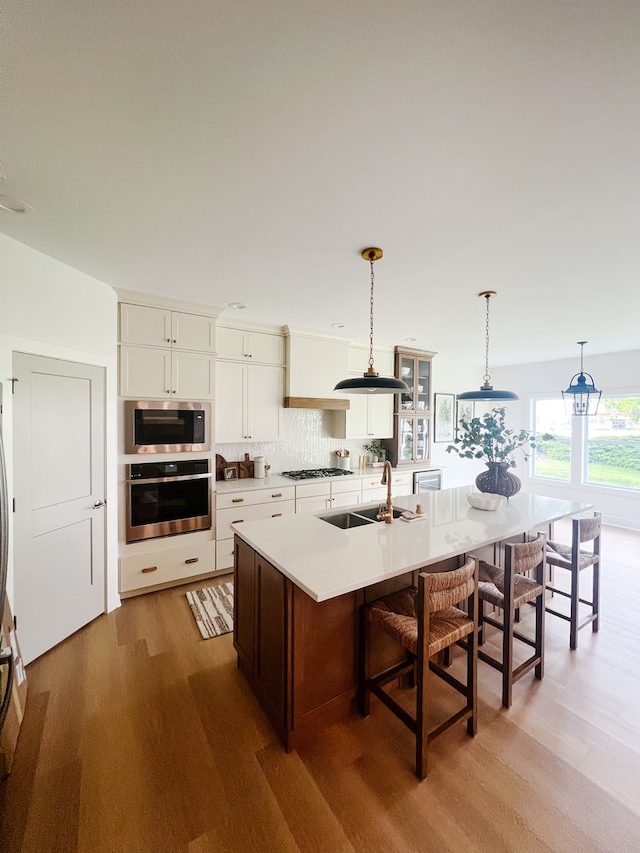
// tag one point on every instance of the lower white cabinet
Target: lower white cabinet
(237, 507)
(327, 494)
(251, 398)
(164, 567)
(373, 490)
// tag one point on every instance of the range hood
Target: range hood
(327, 403)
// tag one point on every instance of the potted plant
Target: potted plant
(487, 438)
(376, 450)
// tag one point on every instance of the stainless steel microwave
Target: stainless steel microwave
(171, 426)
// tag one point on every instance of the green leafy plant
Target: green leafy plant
(487, 438)
(375, 449)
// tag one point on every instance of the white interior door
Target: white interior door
(59, 483)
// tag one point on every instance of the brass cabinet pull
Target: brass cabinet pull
(192, 560)
(238, 521)
(236, 500)
(278, 495)
(149, 569)
(276, 515)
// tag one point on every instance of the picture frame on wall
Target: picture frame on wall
(466, 410)
(444, 413)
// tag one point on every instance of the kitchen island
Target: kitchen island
(300, 582)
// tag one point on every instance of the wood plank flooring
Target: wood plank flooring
(140, 737)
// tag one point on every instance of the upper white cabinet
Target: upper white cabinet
(148, 372)
(157, 327)
(166, 353)
(243, 344)
(369, 415)
(250, 398)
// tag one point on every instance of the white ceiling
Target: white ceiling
(247, 151)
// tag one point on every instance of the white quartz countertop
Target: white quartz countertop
(326, 561)
(278, 481)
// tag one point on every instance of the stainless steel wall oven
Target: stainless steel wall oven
(166, 498)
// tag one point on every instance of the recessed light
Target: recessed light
(337, 325)
(12, 205)
(237, 305)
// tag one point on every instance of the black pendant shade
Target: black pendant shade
(370, 382)
(487, 391)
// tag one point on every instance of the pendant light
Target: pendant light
(487, 391)
(370, 382)
(582, 396)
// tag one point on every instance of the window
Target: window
(552, 458)
(613, 443)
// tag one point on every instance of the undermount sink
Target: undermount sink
(346, 520)
(372, 512)
(357, 518)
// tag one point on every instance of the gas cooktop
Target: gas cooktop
(314, 473)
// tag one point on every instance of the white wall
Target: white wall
(614, 374)
(50, 309)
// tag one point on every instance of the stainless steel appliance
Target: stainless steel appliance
(427, 481)
(314, 473)
(166, 426)
(166, 498)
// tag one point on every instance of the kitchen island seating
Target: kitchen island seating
(425, 621)
(575, 558)
(508, 589)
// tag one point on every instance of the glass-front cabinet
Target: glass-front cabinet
(412, 410)
(413, 445)
(416, 372)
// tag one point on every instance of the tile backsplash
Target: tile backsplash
(306, 443)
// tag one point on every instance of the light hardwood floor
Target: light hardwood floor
(139, 737)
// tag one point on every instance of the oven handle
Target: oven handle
(183, 477)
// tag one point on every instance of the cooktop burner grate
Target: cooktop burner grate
(314, 473)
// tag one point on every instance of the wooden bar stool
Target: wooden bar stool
(509, 590)
(575, 559)
(425, 621)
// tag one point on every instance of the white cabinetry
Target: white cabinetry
(250, 401)
(236, 507)
(250, 385)
(140, 571)
(166, 353)
(147, 372)
(369, 415)
(327, 494)
(241, 344)
(158, 327)
(373, 490)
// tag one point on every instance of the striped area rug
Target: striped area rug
(212, 608)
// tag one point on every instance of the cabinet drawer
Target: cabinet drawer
(256, 496)
(313, 490)
(347, 484)
(174, 564)
(373, 482)
(252, 512)
(224, 554)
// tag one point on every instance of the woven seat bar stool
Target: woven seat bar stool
(509, 590)
(425, 621)
(575, 558)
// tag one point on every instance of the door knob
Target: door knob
(98, 504)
